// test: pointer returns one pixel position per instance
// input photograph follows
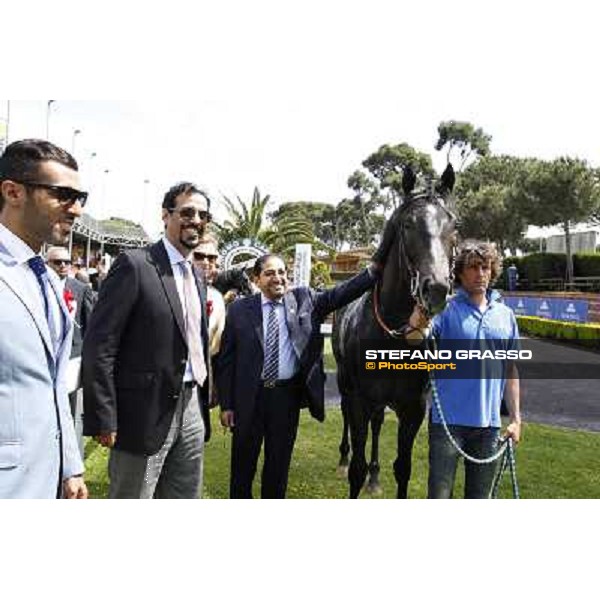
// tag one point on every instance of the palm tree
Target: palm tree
(249, 221)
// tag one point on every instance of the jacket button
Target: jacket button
(184, 361)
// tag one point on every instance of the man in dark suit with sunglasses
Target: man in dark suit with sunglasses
(79, 299)
(40, 198)
(145, 375)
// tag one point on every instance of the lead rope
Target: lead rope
(506, 450)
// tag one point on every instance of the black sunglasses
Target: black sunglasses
(188, 213)
(65, 195)
(202, 256)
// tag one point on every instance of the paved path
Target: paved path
(573, 403)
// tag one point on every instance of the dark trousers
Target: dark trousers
(275, 420)
(76, 403)
(479, 442)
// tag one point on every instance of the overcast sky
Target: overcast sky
(291, 97)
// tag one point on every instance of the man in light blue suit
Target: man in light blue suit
(39, 201)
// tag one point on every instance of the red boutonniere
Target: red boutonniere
(69, 298)
(209, 308)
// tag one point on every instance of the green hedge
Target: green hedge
(582, 334)
(546, 265)
(586, 264)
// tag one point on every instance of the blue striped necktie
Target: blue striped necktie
(271, 368)
(38, 266)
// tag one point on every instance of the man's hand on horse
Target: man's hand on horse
(418, 319)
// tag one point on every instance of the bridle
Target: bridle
(413, 272)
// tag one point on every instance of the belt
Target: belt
(189, 385)
(281, 383)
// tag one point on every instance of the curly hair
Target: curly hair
(473, 251)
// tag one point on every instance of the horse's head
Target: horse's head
(425, 234)
(234, 279)
(242, 284)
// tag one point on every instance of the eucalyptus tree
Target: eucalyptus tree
(562, 192)
(465, 139)
(386, 166)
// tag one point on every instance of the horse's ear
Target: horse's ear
(448, 179)
(408, 180)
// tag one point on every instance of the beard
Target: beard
(60, 233)
(190, 237)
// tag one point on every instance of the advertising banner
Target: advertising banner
(561, 309)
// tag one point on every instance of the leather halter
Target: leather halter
(414, 273)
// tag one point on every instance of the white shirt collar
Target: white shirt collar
(175, 257)
(16, 247)
(264, 300)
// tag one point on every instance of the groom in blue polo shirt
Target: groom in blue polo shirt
(471, 407)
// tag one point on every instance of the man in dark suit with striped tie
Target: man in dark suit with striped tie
(270, 366)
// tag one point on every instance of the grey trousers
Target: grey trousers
(175, 471)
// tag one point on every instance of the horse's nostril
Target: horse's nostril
(435, 293)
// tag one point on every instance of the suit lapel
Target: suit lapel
(159, 257)
(66, 321)
(256, 318)
(291, 316)
(201, 285)
(15, 280)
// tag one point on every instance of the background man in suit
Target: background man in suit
(270, 365)
(80, 302)
(40, 198)
(145, 360)
(206, 256)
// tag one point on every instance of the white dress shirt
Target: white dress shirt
(177, 259)
(288, 361)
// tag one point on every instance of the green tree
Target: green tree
(320, 214)
(490, 200)
(562, 192)
(463, 137)
(387, 163)
(249, 220)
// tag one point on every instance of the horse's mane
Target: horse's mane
(230, 279)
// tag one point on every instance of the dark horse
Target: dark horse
(418, 241)
(233, 279)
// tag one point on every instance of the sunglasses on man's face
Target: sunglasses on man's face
(210, 257)
(59, 262)
(188, 214)
(65, 195)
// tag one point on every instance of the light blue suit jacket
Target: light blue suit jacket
(35, 420)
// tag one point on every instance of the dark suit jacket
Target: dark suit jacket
(240, 362)
(135, 352)
(84, 297)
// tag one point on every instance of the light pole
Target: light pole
(104, 186)
(76, 132)
(143, 220)
(48, 109)
(7, 121)
(91, 180)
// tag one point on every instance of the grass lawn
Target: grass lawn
(551, 463)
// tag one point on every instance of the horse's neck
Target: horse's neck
(395, 299)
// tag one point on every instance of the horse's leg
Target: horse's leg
(373, 486)
(408, 427)
(344, 443)
(359, 424)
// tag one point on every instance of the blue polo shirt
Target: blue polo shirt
(474, 402)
